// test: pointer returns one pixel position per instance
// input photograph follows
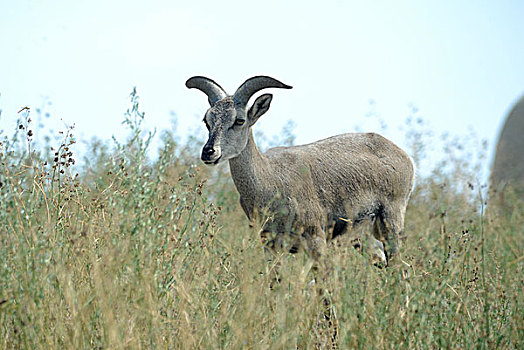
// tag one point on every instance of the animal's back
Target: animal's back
(354, 171)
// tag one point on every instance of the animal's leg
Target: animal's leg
(315, 238)
(270, 243)
(377, 252)
(328, 322)
(316, 243)
(388, 227)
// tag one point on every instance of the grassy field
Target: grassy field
(128, 252)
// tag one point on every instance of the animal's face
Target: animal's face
(228, 131)
(227, 120)
(228, 125)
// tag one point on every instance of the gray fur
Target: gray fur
(311, 192)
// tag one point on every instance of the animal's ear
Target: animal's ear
(258, 108)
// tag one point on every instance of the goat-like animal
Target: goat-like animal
(311, 192)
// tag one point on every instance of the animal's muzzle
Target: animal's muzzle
(211, 154)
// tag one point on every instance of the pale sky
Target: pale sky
(461, 63)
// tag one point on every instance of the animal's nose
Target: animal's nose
(208, 150)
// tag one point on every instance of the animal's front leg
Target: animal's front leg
(269, 241)
(316, 242)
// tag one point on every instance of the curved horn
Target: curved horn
(252, 85)
(213, 91)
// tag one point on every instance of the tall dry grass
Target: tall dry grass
(131, 252)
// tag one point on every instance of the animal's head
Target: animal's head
(229, 119)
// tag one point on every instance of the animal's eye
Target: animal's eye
(240, 121)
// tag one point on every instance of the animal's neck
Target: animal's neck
(248, 170)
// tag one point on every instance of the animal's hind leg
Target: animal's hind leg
(378, 253)
(388, 227)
